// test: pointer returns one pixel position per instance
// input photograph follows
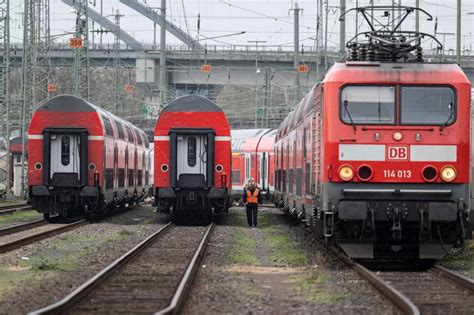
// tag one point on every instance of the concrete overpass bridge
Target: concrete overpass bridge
(260, 71)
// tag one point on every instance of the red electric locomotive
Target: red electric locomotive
(83, 159)
(192, 159)
(376, 156)
(252, 157)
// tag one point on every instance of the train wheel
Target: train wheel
(47, 217)
(207, 216)
(174, 214)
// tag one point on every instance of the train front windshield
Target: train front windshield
(419, 105)
(427, 105)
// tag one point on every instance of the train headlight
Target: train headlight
(448, 174)
(346, 173)
(365, 173)
(397, 136)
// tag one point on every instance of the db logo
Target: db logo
(397, 153)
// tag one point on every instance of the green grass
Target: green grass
(20, 216)
(10, 277)
(243, 249)
(284, 250)
(45, 264)
(463, 261)
(63, 256)
(311, 288)
(125, 232)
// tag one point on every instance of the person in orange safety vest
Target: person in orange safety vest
(252, 198)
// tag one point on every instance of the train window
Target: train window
(307, 178)
(427, 105)
(368, 104)
(109, 178)
(147, 144)
(130, 134)
(65, 150)
(236, 177)
(121, 134)
(139, 137)
(108, 126)
(192, 151)
(247, 166)
(121, 177)
(303, 156)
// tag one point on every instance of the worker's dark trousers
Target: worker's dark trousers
(252, 209)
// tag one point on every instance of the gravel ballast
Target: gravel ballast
(272, 276)
(44, 272)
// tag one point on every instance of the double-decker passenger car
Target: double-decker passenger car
(83, 159)
(192, 159)
(252, 157)
(377, 155)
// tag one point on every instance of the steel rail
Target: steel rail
(455, 277)
(22, 227)
(78, 294)
(395, 296)
(39, 236)
(13, 205)
(188, 277)
(14, 208)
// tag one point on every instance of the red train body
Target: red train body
(83, 159)
(252, 157)
(192, 159)
(377, 158)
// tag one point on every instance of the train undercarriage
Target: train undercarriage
(390, 222)
(85, 201)
(202, 204)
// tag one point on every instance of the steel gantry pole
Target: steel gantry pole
(43, 37)
(458, 33)
(296, 54)
(81, 60)
(268, 90)
(342, 33)
(326, 37)
(117, 88)
(417, 16)
(163, 54)
(5, 84)
(28, 78)
(319, 36)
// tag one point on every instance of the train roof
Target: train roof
(247, 140)
(71, 104)
(267, 142)
(362, 72)
(192, 103)
(240, 136)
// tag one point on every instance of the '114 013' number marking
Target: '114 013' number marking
(397, 174)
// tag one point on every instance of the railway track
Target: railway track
(434, 291)
(15, 237)
(7, 209)
(21, 227)
(153, 277)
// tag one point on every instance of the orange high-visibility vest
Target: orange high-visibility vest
(252, 198)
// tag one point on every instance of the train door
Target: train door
(263, 167)
(65, 160)
(247, 167)
(191, 155)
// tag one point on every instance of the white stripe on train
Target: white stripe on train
(167, 138)
(40, 137)
(377, 152)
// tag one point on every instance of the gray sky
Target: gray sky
(266, 20)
